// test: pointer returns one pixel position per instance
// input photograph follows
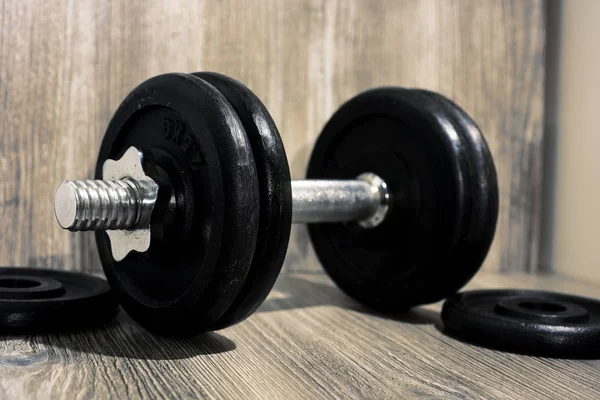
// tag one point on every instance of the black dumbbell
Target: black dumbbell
(193, 204)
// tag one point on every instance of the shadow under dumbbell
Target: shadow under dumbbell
(302, 292)
(124, 338)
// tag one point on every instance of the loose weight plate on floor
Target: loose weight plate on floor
(444, 197)
(186, 281)
(526, 321)
(40, 300)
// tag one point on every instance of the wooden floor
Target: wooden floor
(308, 340)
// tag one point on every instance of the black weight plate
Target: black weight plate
(183, 284)
(40, 300)
(480, 220)
(443, 190)
(526, 321)
(275, 197)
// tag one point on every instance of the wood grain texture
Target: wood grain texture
(308, 340)
(65, 65)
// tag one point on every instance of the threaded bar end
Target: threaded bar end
(89, 205)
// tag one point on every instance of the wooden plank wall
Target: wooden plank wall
(65, 65)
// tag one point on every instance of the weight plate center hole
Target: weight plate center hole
(542, 306)
(541, 309)
(18, 283)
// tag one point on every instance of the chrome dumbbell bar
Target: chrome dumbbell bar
(124, 201)
(83, 205)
